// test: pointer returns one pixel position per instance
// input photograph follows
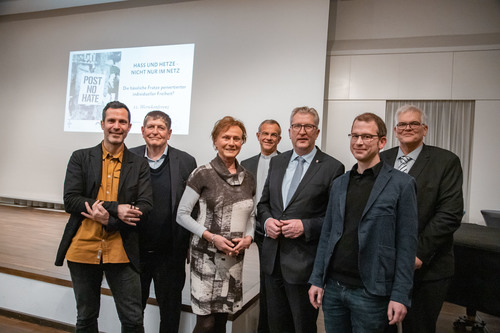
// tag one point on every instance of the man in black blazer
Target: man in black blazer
(269, 135)
(163, 242)
(292, 220)
(438, 174)
(107, 191)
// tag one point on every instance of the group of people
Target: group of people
(372, 246)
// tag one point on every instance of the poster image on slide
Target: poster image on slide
(94, 81)
(144, 78)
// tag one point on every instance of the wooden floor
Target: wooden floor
(12, 325)
(29, 239)
(28, 244)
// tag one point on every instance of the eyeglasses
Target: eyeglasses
(273, 135)
(367, 138)
(307, 127)
(413, 125)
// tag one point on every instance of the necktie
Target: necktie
(296, 178)
(403, 163)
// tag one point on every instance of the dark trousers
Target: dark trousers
(427, 300)
(168, 275)
(263, 326)
(289, 309)
(125, 286)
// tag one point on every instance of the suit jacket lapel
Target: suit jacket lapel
(311, 171)
(173, 160)
(96, 164)
(125, 169)
(383, 177)
(419, 165)
(392, 154)
(254, 165)
(343, 195)
(281, 166)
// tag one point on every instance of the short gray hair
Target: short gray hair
(305, 109)
(408, 108)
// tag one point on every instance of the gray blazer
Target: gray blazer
(387, 235)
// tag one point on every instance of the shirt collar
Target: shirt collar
(375, 170)
(266, 157)
(106, 153)
(165, 152)
(307, 157)
(414, 154)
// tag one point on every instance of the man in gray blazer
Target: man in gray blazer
(269, 135)
(438, 174)
(363, 272)
(163, 243)
(291, 213)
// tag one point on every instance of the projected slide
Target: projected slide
(144, 78)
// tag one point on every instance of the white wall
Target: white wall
(253, 60)
(385, 49)
(382, 19)
(485, 180)
(57, 303)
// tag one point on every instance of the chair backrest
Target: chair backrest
(491, 217)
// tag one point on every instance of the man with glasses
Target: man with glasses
(291, 213)
(269, 135)
(438, 174)
(363, 272)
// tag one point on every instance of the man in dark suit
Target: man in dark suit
(438, 174)
(291, 213)
(107, 191)
(163, 242)
(269, 135)
(363, 272)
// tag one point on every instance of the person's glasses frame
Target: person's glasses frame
(273, 135)
(309, 128)
(367, 138)
(413, 125)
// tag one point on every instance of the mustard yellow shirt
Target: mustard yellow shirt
(92, 244)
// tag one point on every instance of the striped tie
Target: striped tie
(403, 163)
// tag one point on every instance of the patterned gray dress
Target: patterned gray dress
(226, 209)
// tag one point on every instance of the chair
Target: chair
(491, 218)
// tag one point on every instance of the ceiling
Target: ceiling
(16, 7)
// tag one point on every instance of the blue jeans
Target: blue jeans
(125, 285)
(349, 310)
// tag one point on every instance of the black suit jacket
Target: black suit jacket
(82, 182)
(251, 164)
(181, 165)
(307, 204)
(438, 174)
